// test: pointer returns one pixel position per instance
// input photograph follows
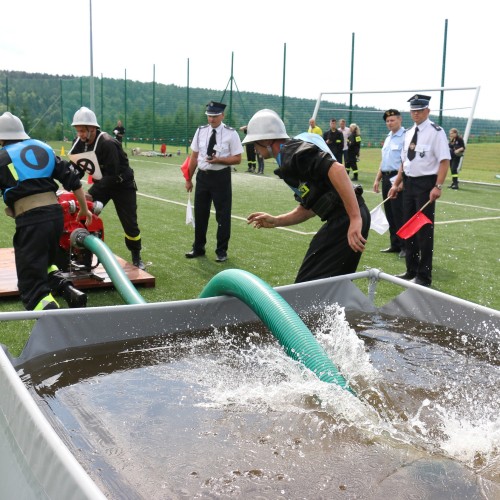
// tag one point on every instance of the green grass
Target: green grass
(466, 258)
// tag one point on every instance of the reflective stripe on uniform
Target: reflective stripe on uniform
(47, 301)
(13, 171)
(136, 238)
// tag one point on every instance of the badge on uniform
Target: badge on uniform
(419, 148)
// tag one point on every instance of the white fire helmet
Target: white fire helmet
(85, 116)
(11, 128)
(265, 125)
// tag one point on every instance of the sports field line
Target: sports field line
(366, 192)
(469, 206)
(310, 233)
(454, 203)
(479, 219)
(157, 198)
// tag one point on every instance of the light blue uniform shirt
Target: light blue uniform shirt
(391, 151)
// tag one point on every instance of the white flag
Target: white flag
(189, 212)
(379, 220)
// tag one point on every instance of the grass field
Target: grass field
(467, 242)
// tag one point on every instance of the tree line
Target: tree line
(160, 113)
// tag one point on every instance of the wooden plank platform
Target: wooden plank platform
(8, 276)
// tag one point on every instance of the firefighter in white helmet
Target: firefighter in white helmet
(28, 170)
(322, 187)
(117, 182)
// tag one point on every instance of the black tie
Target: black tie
(411, 150)
(211, 143)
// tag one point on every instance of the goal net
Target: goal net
(450, 108)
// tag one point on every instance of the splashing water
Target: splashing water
(426, 396)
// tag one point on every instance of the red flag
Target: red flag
(185, 169)
(413, 225)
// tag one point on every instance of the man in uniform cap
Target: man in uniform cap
(419, 101)
(425, 163)
(215, 108)
(215, 147)
(389, 167)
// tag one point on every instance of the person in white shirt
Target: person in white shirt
(346, 132)
(425, 163)
(215, 148)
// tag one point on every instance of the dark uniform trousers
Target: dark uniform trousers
(213, 186)
(420, 247)
(251, 156)
(393, 210)
(329, 253)
(35, 247)
(124, 197)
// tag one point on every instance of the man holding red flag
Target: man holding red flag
(425, 161)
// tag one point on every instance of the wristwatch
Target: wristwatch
(439, 186)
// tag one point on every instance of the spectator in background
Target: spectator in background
(335, 140)
(313, 128)
(387, 172)
(353, 151)
(346, 133)
(425, 163)
(214, 149)
(117, 183)
(260, 160)
(251, 155)
(321, 188)
(457, 149)
(119, 131)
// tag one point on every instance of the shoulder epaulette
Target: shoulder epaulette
(437, 127)
(204, 126)
(229, 128)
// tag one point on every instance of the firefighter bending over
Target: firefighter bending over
(28, 171)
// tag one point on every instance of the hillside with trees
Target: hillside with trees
(156, 113)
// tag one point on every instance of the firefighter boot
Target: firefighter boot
(73, 296)
(137, 261)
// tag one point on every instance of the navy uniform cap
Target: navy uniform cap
(419, 101)
(215, 108)
(391, 112)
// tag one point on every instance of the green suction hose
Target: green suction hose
(279, 317)
(82, 238)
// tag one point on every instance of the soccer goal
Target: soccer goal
(451, 107)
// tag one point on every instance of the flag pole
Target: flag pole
(430, 201)
(380, 204)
